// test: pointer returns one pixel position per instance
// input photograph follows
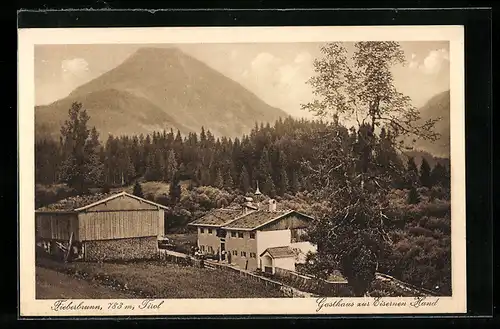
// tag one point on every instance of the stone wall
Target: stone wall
(121, 249)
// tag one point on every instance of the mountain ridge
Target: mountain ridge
(186, 90)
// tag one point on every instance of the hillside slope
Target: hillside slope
(438, 107)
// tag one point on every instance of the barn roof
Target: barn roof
(259, 218)
(218, 217)
(82, 202)
(279, 252)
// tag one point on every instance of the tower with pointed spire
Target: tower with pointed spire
(258, 195)
(257, 191)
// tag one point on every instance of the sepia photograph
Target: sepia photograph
(244, 170)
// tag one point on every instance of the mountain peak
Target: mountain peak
(157, 51)
(155, 81)
(152, 56)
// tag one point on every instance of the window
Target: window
(240, 235)
(252, 255)
(202, 230)
(243, 254)
(252, 235)
(209, 231)
(202, 248)
(233, 234)
(235, 252)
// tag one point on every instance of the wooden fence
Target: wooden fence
(411, 289)
(311, 284)
(288, 291)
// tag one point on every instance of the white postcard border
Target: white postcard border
(28, 38)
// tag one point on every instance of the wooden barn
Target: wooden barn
(103, 227)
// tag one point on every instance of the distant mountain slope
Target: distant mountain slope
(158, 88)
(437, 107)
(111, 111)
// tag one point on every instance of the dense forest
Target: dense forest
(272, 155)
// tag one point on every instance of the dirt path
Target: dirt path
(55, 285)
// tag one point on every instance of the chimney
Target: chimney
(247, 205)
(272, 205)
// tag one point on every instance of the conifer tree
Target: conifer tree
(439, 175)
(268, 187)
(244, 183)
(205, 176)
(219, 181)
(413, 196)
(425, 174)
(411, 173)
(171, 166)
(283, 174)
(47, 160)
(228, 180)
(138, 190)
(294, 182)
(174, 190)
(264, 169)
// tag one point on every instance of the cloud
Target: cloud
(263, 60)
(287, 73)
(432, 63)
(414, 65)
(280, 81)
(302, 57)
(435, 60)
(75, 66)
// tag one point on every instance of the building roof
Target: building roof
(279, 252)
(218, 217)
(259, 218)
(254, 219)
(82, 202)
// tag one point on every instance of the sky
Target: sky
(277, 73)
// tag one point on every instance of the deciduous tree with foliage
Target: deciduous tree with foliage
(352, 236)
(80, 167)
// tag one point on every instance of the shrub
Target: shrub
(423, 221)
(421, 231)
(441, 224)
(45, 195)
(162, 199)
